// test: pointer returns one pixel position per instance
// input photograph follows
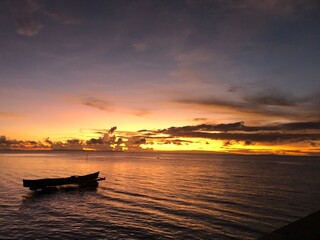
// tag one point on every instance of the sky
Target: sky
(232, 76)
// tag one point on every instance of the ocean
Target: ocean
(157, 195)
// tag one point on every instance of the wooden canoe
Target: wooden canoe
(50, 182)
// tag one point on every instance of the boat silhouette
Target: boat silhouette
(82, 181)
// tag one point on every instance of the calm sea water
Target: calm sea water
(157, 196)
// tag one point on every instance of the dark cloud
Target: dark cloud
(240, 126)
(118, 141)
(272, 99)
(315, 104)
(3, 139)
(112, 130)
(134, 143)
(109, 141)
(227, 105)
(139, 141)
(252, 137)
(227, 143)
(299, 126)
(94, 141)
(270, 103)
(314, 144)
(96, 103)
(178, 142)
(277, 133)
(13, 144)
(74, 141)
(203, 127)
(69, 144)
(234, 89)
(200, 119)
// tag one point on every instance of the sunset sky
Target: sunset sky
(203, 75)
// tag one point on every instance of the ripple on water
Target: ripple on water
(174, 196)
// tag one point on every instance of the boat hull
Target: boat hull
(50, 182)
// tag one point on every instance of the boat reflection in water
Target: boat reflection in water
(69, 189)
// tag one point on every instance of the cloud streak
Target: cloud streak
(277, 133)
(62, 18)
(27, 14)
(27, 26)
(269, 103)
(96, 103)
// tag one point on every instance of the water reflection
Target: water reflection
(75, 190)
(171, 196)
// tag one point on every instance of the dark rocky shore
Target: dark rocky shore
(307, 228)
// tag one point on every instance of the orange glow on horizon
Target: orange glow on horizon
(158, 142)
